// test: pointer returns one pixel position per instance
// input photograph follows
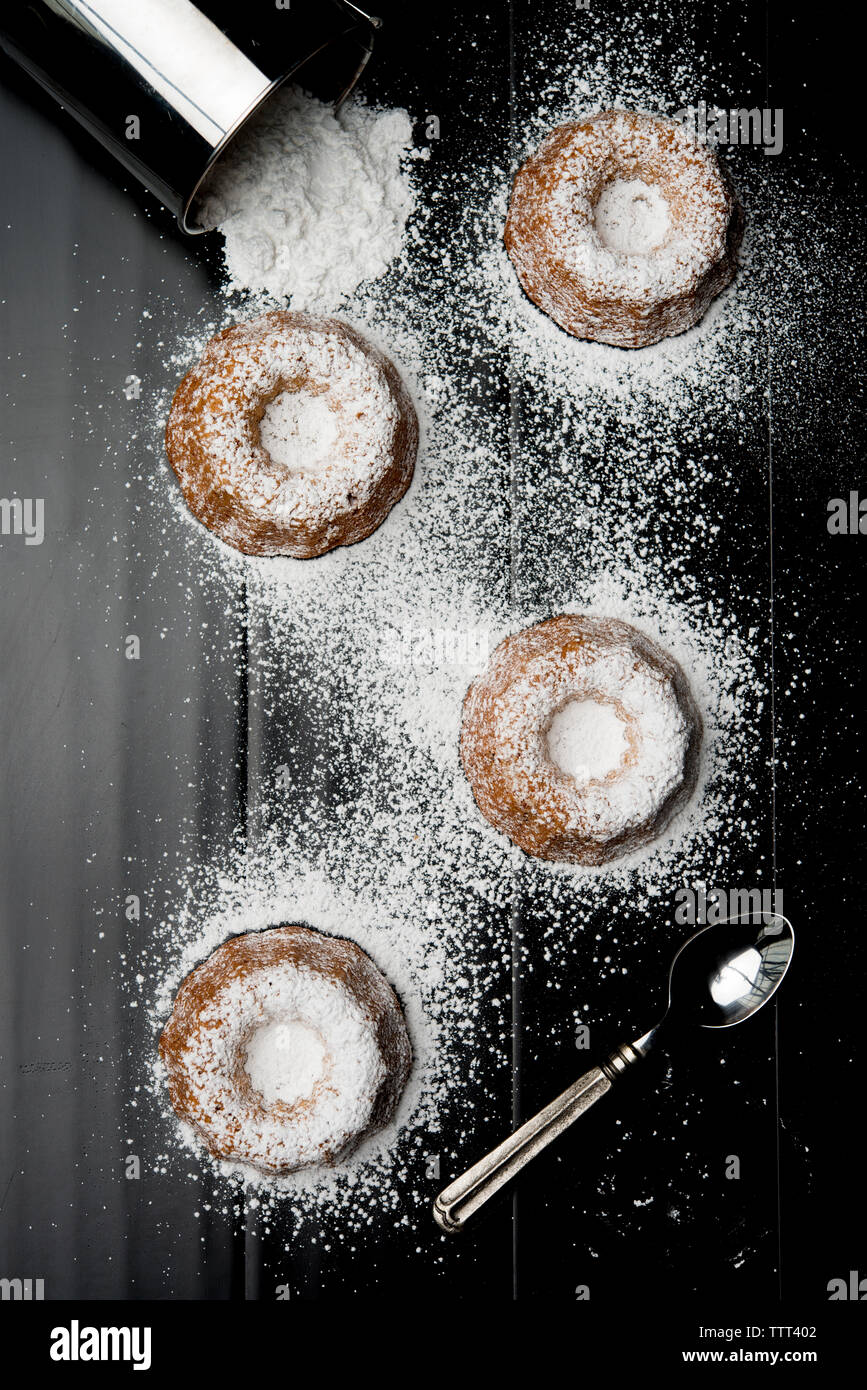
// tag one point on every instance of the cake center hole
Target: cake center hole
(299, 430)
(587, 740)
(284, 1061)
(631, 217)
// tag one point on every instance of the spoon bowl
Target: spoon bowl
(725, 973)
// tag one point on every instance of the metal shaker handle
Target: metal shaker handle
(457, 1202)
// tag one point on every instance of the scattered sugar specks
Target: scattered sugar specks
(553, 476)
(310, 203)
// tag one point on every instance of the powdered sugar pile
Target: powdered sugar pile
(299, 431)
(631, 217)
(311, 204)
(286, 1061)
(586, 739)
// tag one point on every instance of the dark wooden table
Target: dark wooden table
(108, 764)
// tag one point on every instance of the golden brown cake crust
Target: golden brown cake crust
(230, 481)
(612, 297)
(286, 974)
(509, 710)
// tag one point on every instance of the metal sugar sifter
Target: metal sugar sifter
(166, 85)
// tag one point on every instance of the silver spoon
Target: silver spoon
(719, 977)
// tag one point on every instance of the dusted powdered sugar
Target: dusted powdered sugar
(587, 739)
(617, 495)
(312, 1105)
(286, 1061)
(350, 385)
(311, 203)
(299, 431)
(623, 228)
(688, 179)
(631, 217)
(328, 432)
(657, 731)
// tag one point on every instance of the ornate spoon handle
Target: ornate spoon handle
(457, 1202)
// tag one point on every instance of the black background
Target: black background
(798, 1211)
